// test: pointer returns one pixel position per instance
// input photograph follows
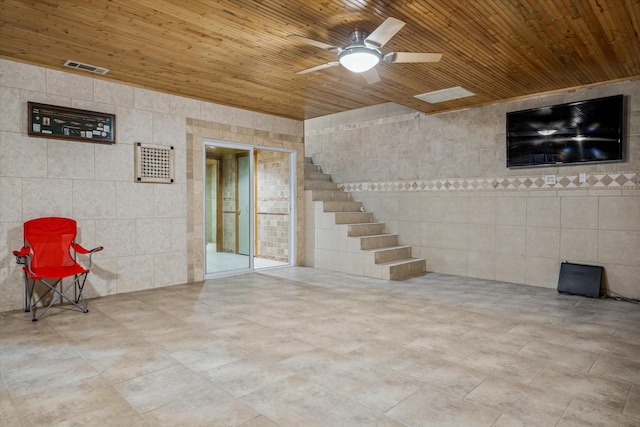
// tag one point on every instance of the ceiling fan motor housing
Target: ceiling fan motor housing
(357, 56)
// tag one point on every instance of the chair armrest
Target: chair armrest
(22, 256)
(22, 252)
(78, 248)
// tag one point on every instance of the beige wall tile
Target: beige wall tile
(134, 200)
(70, 159)
(619, 247)
(622, 279)
(619, 213)
(67, 84)
(169, 268)
(169, 200)
(113, 93)
(579, 212)
(149, 100)
(14, 299)
(94, 199)
(13, 242)
(151, 235)
(117, 236)
(482, 210)
(11, 111)
(169, 130)
(178, 231)
(543, 212)
(135, 273)
(511, 240)
(114, 162)
(511, 210)
(543, 242)
(510, 268)
(102, 280)
(21, 156)
(46, 197)
(17, 75)
(185, 107)
(133, 126)
(578, 245)
(11, 205)
(482, 265)
(409, 233)
(214, 112)
(482, 238)
(542, 272)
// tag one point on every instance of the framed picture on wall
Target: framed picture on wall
(51, 121)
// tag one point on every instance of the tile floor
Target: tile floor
(306, 347)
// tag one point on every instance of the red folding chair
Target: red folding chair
(47, 258)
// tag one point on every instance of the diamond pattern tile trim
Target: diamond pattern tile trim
(600, 181)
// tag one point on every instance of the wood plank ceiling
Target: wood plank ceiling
(237, 53)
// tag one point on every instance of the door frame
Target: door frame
(251, 151)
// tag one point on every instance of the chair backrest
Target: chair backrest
(50, 241)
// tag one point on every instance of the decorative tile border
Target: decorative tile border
(604, 181)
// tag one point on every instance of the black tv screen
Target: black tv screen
(579, 132)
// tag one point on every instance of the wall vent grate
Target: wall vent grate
(85, 67)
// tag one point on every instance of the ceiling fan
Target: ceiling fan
(362, 53)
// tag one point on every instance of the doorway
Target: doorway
(249, 199)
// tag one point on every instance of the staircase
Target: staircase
(341, 236)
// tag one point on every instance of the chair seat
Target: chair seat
(56, 271)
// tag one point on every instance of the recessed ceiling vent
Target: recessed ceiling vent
(86, 67)
(445, 95)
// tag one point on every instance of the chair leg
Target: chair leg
(27, 295)
(77, 283)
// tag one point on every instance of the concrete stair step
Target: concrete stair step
(353, 217)
(406, 268)
(390, 254)
(379, 241)
(308, 160)
(316, 176)
(341, 206)
(321, 185)
(326, 195)
(366, 229)
(308, 167)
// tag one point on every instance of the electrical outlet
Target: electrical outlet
(582, 177)
(550, 179)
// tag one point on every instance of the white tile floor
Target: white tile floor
(306, 347)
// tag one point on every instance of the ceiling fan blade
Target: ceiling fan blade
(412, 57)
(384, 32)
(318, 67)
(315, 43)
(371, 76)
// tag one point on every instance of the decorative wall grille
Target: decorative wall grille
(154, 163)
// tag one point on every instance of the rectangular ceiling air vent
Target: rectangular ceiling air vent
(445, 95)
(85, 67)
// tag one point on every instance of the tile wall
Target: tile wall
(148, 230)
(440, 181)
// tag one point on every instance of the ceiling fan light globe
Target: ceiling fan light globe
(359, 59)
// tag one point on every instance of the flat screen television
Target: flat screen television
(578, 132)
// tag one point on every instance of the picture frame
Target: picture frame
(52, 121)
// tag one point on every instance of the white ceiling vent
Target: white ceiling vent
(445, 95)
(86, 67)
